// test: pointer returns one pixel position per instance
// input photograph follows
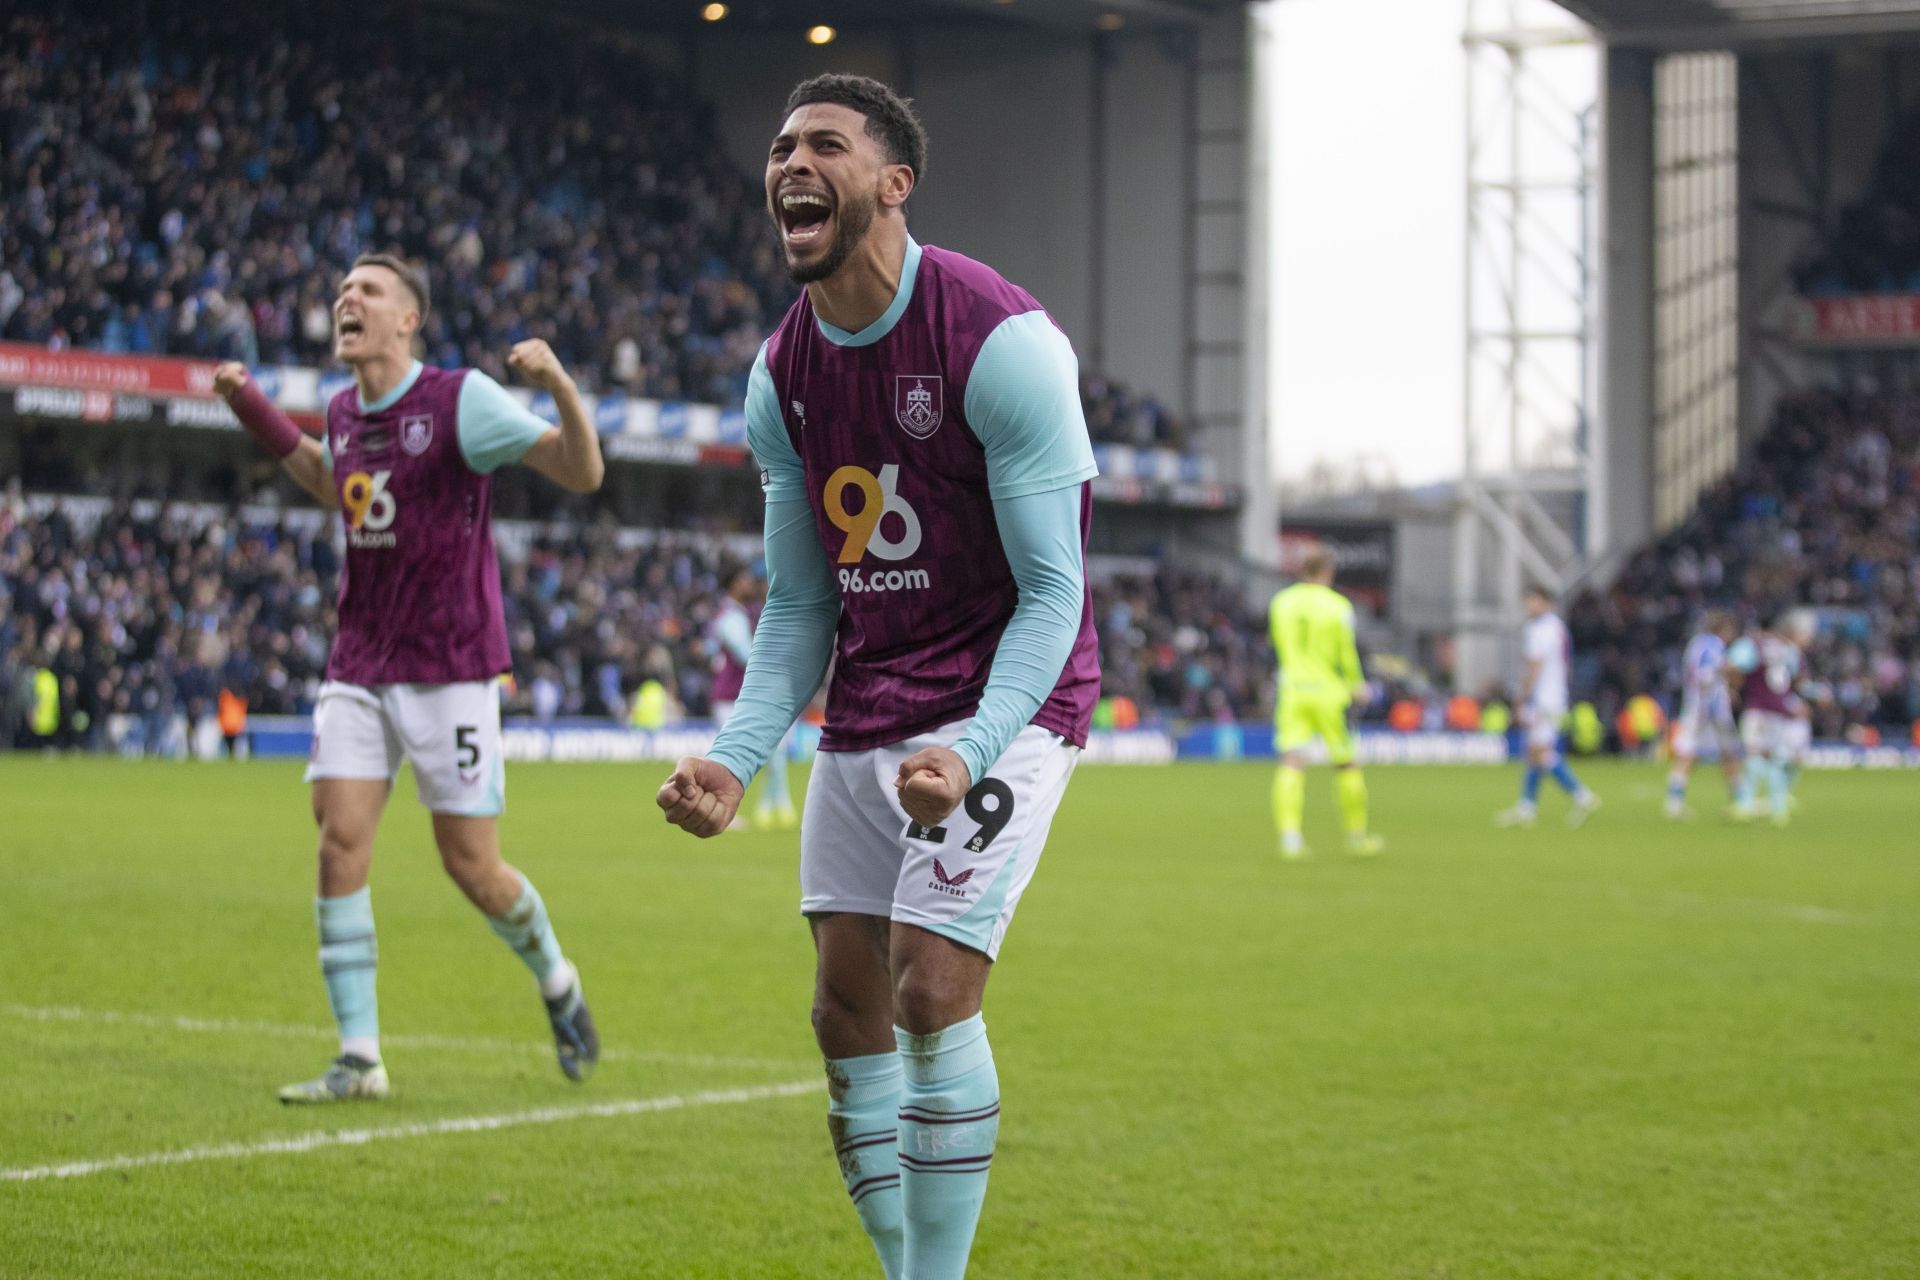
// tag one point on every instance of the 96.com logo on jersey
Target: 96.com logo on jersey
(867, 532)
(370, 509)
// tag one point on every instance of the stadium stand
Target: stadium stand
(193, 188)
(1824, 513)
(144, 614)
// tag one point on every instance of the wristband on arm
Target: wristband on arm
(274, 430)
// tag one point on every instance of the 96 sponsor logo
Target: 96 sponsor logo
(370, 509)
(882, 580)
(868, 533)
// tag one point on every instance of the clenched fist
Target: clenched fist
(931, 784)
(229, 378)
(702, 795)
(534, 360)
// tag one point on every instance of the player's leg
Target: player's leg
(1733, 765)
(451, 734)
(1349, 783)
(354, 756)
(950, 1103)
(848, 864)
(1757, 751)
(1292, 732)
(853, 1024)
(1685, 744)
(958, 887)
(1547, 743)
(1527, 809)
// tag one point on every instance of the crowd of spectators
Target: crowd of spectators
(1823, 515)
(190, 184)
(181, 182)
(143, 619)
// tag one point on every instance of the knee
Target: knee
(342, 845)
(922, 1004)
(838, 1015)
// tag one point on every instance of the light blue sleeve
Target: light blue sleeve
(1023, 400)
(1744, 655)
(735, 635)
(494, 429)
(781, 474)
(326, 450)
(795, 636)
(1041, 535)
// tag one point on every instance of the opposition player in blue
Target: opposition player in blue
(1704, 728)
(926, 464)
(1543, 706)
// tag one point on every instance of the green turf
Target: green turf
(1638, 1050)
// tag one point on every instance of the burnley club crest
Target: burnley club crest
(416, 433)
(918, 404)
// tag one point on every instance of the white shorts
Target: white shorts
(450, 733)
(1798, 736)
(1702, 734)
(1766, 734)
(860, 853)
(1543, 726)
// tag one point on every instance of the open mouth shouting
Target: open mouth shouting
(804, 216)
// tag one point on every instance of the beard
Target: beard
(851, 222)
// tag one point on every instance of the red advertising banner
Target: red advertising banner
(1883, 319)
(22, 365)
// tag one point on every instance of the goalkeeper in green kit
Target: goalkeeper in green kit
(1312, 628)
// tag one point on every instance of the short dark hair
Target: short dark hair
(890, 118)
(410, 276)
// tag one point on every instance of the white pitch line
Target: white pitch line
(179, 1022)
(426, 1129)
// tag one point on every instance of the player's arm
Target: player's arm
(1023, 401)
(791, 646)
(568, 455)
(303, 457)
(1347, 661)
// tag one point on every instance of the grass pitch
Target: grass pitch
(1636, 1050)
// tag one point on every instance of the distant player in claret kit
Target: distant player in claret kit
(917, 421)
(408, 459)
(1544, 699)
(1704, 728)
(1771, 712)
(1320, 676)
(731, 632)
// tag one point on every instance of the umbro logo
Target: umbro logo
(800, 412)
(340, 443)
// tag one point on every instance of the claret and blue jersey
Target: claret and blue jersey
(420, 591)
(923, 477)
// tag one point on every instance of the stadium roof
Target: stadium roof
(1066, 15)
(1727, 24)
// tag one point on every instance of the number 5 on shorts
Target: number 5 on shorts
(469, 749)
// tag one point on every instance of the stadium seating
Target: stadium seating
(144, 615)
(193, 187)
(1824, 513)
